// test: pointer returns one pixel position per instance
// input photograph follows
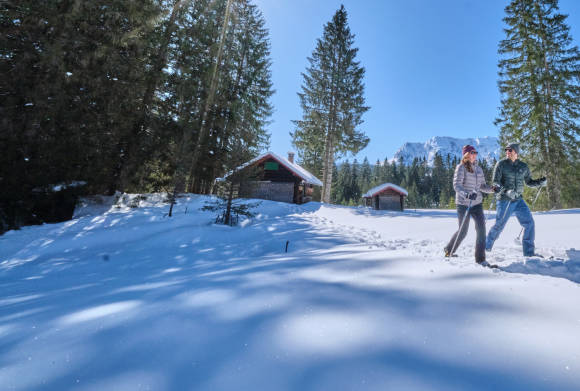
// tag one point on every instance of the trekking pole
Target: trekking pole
(461, 227)
(494, 201)
(505, 211)
(518, 239)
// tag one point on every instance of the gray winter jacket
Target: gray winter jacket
(465, 182)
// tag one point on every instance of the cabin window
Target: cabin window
(271, 166)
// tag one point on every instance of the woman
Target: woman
(468, 183)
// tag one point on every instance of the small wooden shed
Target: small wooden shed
(277, 179)
(386, 197)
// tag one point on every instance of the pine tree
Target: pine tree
(246, 89)
(386, 172)
(343, 183)
(137, 138)
(354, 185)
(118, 93)
(72, 73)
(332, 100)
(377, 173)
(438, 180)
(365, 176)
(223, 86)
(196, 129)
(336, 189)
(539, 83)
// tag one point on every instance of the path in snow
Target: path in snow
(375, 229)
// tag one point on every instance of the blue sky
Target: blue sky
(431, 66)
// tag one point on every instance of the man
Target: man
(509, 176)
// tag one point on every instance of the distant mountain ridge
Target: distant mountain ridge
(488, 148)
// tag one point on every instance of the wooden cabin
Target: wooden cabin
(386, 197)
(277, 179)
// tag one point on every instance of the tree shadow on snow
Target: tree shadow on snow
(366, 211)
(568, 269)
(212, 308)
(560, 212)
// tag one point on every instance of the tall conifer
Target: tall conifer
(332, 100)
(539, 82)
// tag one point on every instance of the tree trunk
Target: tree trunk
(327, 169)
(228, 217)
(550, 151)
(552, 164)
(329, 144)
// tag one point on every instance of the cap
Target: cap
(467, 148)
(514, 146)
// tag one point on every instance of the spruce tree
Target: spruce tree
(223, 86)
(354, 185)
(539, 83)
(72, 74)
(134, 140)
(343, 183)
(438, 180)
(365, 176)
(376, 174)
(332, 100)
(386, 172)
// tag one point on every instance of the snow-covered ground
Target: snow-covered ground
(129, 299)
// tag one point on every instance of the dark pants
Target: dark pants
(476, 212)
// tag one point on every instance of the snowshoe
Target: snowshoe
(542, 258)
(487, 264)
(448, 254)
(535, 256)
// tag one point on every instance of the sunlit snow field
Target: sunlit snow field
(126, 298)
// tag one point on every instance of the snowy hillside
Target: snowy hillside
(487, 147)
(129, 299)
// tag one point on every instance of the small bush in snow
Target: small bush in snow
(237, 209)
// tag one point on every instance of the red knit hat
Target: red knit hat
(467, 148)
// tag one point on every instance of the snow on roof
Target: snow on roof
(375, 190)
(293, 167)
(60, 186)
(63, 186)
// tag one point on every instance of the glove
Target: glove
(496, 188)
(472, 196)
(543, 181)
(511, 194)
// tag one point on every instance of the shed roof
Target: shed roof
(300, 172)
(377, 189)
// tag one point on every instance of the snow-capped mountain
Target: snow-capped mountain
(488, 148)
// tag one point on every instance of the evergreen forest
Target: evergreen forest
(428, 186)
(137, 96)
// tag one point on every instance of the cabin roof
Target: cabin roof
(297, 170)
(378, 189)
